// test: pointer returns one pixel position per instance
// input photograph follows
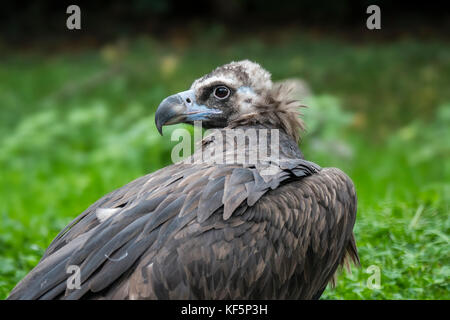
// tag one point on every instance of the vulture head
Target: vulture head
(237, 93)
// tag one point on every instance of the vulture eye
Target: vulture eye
(221, 92)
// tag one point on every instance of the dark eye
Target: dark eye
(221, 92)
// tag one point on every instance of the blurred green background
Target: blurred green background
(77, 121)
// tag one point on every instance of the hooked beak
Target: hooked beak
(181, 107)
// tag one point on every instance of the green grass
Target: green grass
(76, 126)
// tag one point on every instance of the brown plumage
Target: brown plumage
(207, 228)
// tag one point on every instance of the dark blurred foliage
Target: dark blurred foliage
(21, 22)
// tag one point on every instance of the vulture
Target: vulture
(217, 224)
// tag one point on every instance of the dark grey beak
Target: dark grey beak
(181, 107)
(169, 110)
